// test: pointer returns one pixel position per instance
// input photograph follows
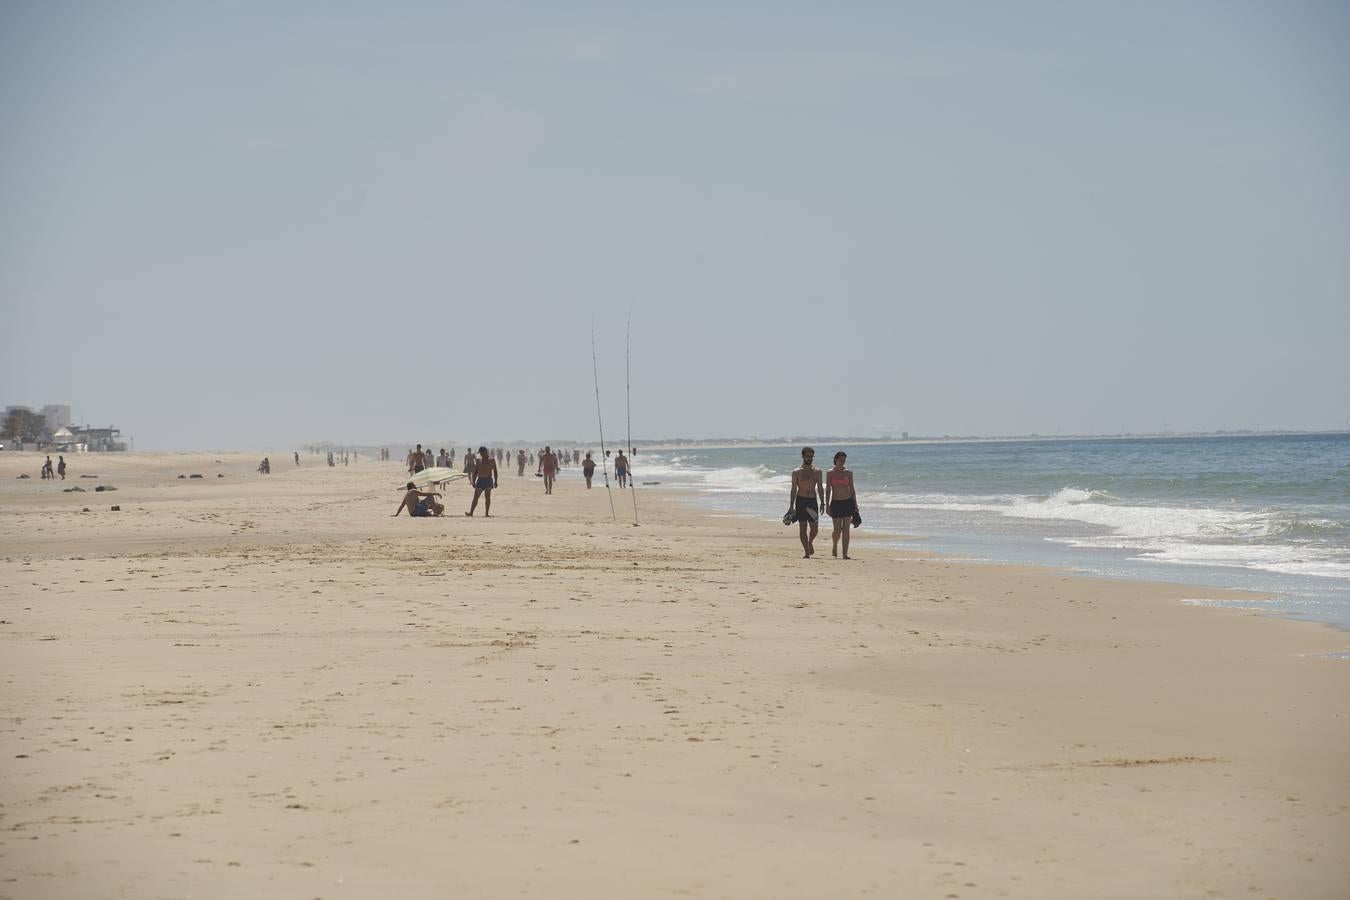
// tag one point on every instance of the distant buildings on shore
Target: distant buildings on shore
(52, 428)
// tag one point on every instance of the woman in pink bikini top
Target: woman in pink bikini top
(840, 501)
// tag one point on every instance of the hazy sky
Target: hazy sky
(247, 225)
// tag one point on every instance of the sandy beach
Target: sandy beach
(269, 687)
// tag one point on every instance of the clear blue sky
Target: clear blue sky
(248, 225)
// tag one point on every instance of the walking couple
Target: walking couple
(812, 489)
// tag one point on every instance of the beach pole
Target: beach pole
(595, 370)
(628, 398)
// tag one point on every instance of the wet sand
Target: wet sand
(267, 686)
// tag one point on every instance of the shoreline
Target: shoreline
(254, 684)
(1209, 596)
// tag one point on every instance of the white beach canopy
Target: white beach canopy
(434, 475)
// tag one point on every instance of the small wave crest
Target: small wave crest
(1273, 540)
(745, 479)
(735, 479)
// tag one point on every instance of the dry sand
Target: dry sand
(250, 686)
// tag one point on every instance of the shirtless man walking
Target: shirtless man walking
(548, 464)
(806, 497)
(484, 480)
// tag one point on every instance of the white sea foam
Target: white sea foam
(745, 479)
(1290, 560)
(1102, 509)
(1136, 521)
(652, 467)
(738, 479)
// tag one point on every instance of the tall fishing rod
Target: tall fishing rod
(628, 398)
(604, 461)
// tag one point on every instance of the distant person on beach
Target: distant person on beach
(621, 470)
(297, 457)
(520, 463)
(805, 498)
(468, 463)
(588, 469)
(420, 503)
(484, 480)
(61, 466)
(841, 502)
(47, 469)
(548, 465)
(419, 460)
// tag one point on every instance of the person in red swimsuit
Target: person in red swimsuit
(841, 502)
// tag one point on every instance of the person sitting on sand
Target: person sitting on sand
(805, 498)
(841, 502)
(420, 503)
(484, 480)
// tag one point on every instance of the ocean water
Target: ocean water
(1268, 514)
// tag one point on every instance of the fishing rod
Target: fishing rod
(628, 397)
(604, 461)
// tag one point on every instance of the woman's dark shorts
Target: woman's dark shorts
(843, 509)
